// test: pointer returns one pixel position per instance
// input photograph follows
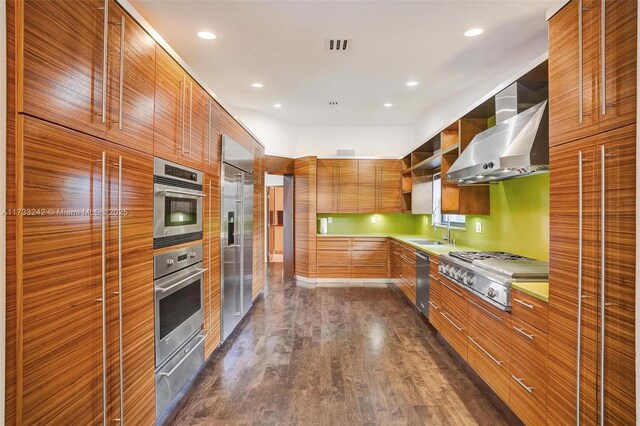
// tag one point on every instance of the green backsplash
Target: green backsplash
(344, 223)
(519, 221)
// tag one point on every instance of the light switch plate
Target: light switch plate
(330, 219)
(478, 227)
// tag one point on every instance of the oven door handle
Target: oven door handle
(170, 372)
(173, 191)
(200, 271)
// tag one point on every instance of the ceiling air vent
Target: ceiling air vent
(337, 44)
(333, 103)
(346, 153)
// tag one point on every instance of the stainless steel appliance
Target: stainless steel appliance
(518, 145)
(177, 205)
(422, 282)
(178, 298)
(490, 274)
(178, 371)
(237, 234)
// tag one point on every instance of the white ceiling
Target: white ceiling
(281, 44)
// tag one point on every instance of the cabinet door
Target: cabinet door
(131, 74)
(389, 184)
(197, 120)
(573, 107)
(212, 258)
(213, 138)
(327, 187)
(171, 92)
(617, 254)
(564, 270)
(347, 186)
(63, 62)
(618, 80)
(130, 284)
(59, 364)
(367, 186)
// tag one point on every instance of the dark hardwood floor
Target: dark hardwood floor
(336, 356)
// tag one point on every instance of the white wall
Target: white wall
(278, 137)
(393, 142)
(3, 177)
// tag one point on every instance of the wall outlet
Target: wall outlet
(478, 227)
(330, 219)
(373, 219)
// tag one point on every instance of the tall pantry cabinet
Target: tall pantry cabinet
(592, 93)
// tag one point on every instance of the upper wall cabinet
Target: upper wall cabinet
(379, 186)
(181, 114)
(359, 186)
(592, 62)
(88, 68)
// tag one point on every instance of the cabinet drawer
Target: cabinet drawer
(489, 318)
(529, 309)
(330, 243)
(528, 393)
(369, 244)
(454, 330)
(490, 360)
(333, 258)
(369, 271)
(334, 271)
(433, 265)
(368, 258)
(527, 340)
(453, 300)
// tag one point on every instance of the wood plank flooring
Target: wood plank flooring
(336, 356)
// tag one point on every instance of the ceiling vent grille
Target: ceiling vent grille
(337, 45)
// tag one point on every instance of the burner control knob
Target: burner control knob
(193, 254)
(170, 262)
(491, 293)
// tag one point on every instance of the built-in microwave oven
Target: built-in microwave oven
(177, 206)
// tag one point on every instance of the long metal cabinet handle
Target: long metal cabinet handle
(200, 272)
(444, 314)
(523, 303)
(602, 277)
(182, 106)
(579, 322)
(105, 47)
(103, 260)
(603, 56)
(580, 65)
(120, 348)
(520, 381)
(486, 310)
(210, 240)
(525, 334)
(498, 362)
(170, 372)
(209, 137)
(190, 113)
(121, 88)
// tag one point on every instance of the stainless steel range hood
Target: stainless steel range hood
(515, 147)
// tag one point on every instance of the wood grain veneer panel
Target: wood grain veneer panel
(305, 216)
(279, 165)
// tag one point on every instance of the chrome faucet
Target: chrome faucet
(445, 236)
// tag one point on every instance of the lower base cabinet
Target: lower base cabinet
(345, 257)
(84, 296)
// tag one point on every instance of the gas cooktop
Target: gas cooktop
(489, 274)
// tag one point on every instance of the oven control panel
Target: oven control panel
(172, 261)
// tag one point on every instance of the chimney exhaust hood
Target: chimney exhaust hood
(518, 145)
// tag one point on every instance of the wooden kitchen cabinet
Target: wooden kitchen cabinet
(326, 194)
(592, 69)
(452, 307)
(130, 82)
(183, 115)
(337, 182)
(65, 333)
(334, 257)
(85, 70)
(379, 186)
(608, 158)
(211, 252)
(369, 257)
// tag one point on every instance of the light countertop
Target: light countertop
(435, 250)
(539, 290)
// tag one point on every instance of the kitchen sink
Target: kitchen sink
(427, 242)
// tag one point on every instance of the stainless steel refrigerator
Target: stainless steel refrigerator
(237, 234)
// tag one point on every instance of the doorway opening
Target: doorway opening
(279, 224)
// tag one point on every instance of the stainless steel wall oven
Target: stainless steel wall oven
(177, 208)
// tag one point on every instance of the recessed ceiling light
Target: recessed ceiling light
(412, 83)
(472, 32)
(388, 105)
(207, 35)
(257, 85)
(277, 105)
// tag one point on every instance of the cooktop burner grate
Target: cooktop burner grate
(470, 256)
